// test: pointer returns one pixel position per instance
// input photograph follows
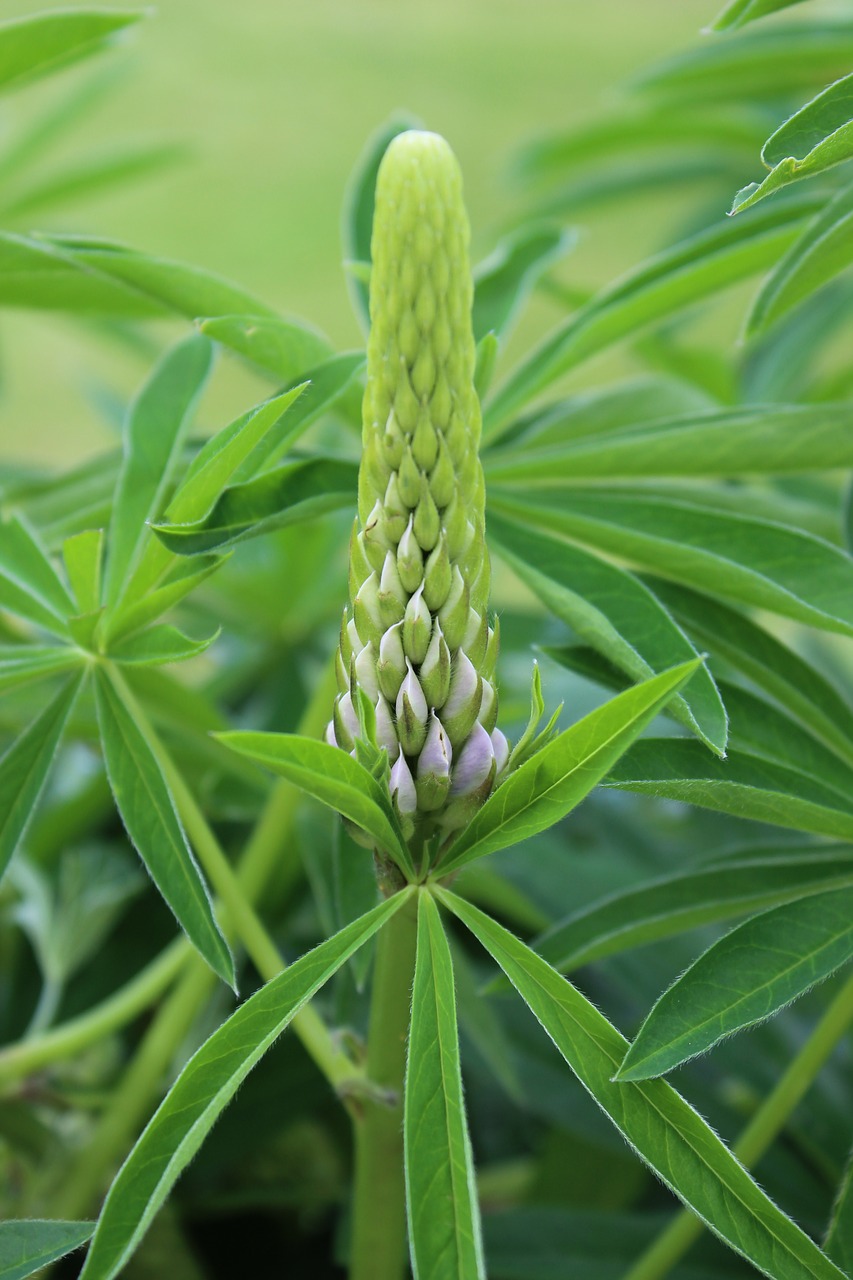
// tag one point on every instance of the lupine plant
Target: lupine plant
(336, 791)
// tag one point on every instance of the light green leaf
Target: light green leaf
(759, 438)
(26, 1247)
(743, 785)
(291, 493)
(722, 890)
(156, 425)
(28, 581)
(504, 280)
(614, 613)
(821, 253)
(815, 138)
(441, 1195)
(660, 288)
(19, 663)
(25, 767)
(88, 176)
(331, 776)
(37, 45)
(484, 366)
(657, 1122)
(36, 273)
(739, 12)
(550, 784)
(178, 583)
(758, 562)
(159, 644)
(205, 1087)
(286, 348)
(148, 812)
(839, 1239)
(746, 976)
(83, 556)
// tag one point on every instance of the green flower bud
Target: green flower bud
(386, 732)
(364, 668)
(347, 727)
(409, 479)
(410, 560)
(433, 774)
(376, 542)
(454, 612)
(393, 442)
(391, 667)
(417, 627)
(435, 669)
(437, 576)
(442, 478)
(427, 520)
(392, 594)
(365, 605)
(412, 713)
(425, 444)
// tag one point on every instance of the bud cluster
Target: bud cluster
(416, 638)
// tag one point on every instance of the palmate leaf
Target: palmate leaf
(25, 767)
(205, 1087)
(37, 45)
(178, 583)
(553, 781)
(656, 1121)
(614, 613)
(815, 138)
(26, 1247)
(717, 891)
(20, 664)
(746, 976)
(696, 268)
(754, 561)
(441, 1195)
(149, 816)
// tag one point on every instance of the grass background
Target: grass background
(274, 102)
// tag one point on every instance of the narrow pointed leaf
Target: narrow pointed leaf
(331, 776)
(285, 348)
(38, 274)
(19, 664)
(503, 281)
(291, 493)
(27, 1246)
(37, 45)
(159, 644)
(89, 176)
(148, 812)
(441, 1195)
(550, 784)
(156, 426)
(747, 976)
(179, 583)
(656, 1121)
(205, 1087)
(25, 767)
(839, 1239)
(26, 566)
(674, 904)
(739, 12)
(615, 614)
(83, 558)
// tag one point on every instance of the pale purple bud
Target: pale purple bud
(365, 671)
(463, 701)
(501, 750)
(330, 734)
(402, 786)
(391, 667)
(476, 761)
(386, 734)
(437, 753)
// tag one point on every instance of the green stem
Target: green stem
(378, 1250)
(766, 1124)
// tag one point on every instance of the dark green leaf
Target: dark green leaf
(839, 1239)
(25, 767)
(550, 784)
(152, 824)
(748, 975)
(44, 42)
(26, 1247)
(205, 1087)
(293, 492)
(441, 1196)
(286, 348)
(503, 281)
(614, 613)
(657, 1122)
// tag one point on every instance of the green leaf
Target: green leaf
(721, 890)
(37, 45)
(484, 367)
(156, 425)
(742, 784)
(331, 776)
(821, 253)
(25, 767)
(179, 583)
(549, 785)
(760, 438)
(695, 269)
(19, 664)
(35, 273)
(158, 645)
(291, 493)
(739, 12)
(26, 1247)
(205, 1087)
(88, 176)
(441, 1195)
(759, 562)
(29, 584)
(746, 976)
(771, 665)
(839, 1239)
(504, 280)
(358, 208)
(83, 556)
(286, 348)
(148, 812)
(614, 613)
(815, 138)
(657, 1122)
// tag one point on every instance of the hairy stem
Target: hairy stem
(766, 1124)
(378, 1249)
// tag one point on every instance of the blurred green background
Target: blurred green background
(274, 102)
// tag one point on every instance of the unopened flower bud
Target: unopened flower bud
(376, 537)
(488, 713)
(354, 642)
(490, 661)
(501, 750)
(347, 727)
(329, 735)
(391, 667)
(425, 443)
(365, 606)
(433, 773)
(454, 612)
(386, 734)
(438, 575)
(417, 628)
(359, 564)
(412, 712)
(435, 669)
(393, 442)
(442, 478)
(410, 560)
(402, 786)
(392, 594)
(476, 636)
(396, 511)
(463, 701)
(409, 479)
(475, 764)
(365, 671)
(427, 520)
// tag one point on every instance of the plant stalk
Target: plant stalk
(768, 1121)
(378, 1249)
